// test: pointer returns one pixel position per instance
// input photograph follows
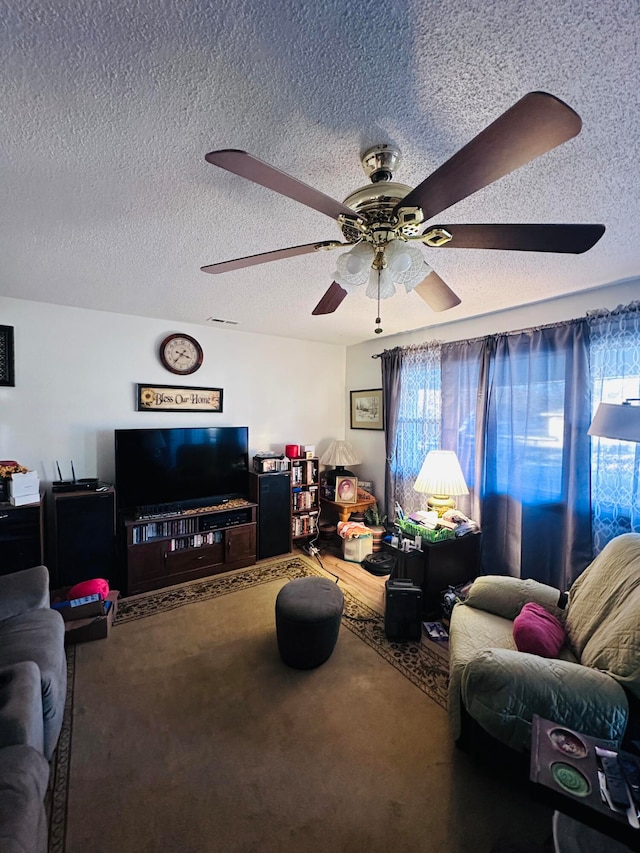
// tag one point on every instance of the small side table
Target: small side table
(345, 510)
(579, 819)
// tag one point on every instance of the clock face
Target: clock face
(181, 354)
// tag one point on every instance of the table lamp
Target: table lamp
(440, 477)
(339, 454)
(617, 420)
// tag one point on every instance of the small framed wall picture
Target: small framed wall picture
(7, 370)
(366, 409)
(347, 490)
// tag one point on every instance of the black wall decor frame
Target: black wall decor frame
(7, 369)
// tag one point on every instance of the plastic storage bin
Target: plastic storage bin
(356, 549)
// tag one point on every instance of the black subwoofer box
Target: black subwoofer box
(403, 610)
(272, 493)
(83, 539)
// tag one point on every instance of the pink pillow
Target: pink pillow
(97, 585)
(538, 632)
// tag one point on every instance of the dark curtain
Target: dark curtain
(391, 370)
(535, 488)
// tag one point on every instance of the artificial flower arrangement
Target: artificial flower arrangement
(7, 468)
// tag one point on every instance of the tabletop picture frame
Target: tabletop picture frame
(367, 411)
(346, 490)
(7, 357)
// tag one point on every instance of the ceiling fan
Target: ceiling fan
(382, 222)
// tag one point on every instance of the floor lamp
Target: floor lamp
(620, 421)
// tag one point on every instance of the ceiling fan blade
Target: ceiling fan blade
(277, 255)
(573, 239)
(531, 127)
(244, 164)
(436, 293)
(331, 300)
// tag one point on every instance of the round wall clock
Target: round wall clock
(181, 354)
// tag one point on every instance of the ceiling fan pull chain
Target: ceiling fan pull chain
(378, 328)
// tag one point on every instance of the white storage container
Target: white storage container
(356, 549)
(24, 484)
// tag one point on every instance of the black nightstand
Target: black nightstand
(438, 566)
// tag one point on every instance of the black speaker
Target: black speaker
(272, 493)
(403, 610)
(83, 536)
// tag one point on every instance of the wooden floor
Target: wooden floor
(369, 588)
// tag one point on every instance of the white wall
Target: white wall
(364, 372)
(76, 372)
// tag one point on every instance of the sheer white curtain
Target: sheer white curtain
(615, 465)
(416, 420)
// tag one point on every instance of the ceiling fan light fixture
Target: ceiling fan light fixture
(381, 284)
(406, 264)
(425, 270)
(352, 267)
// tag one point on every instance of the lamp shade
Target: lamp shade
(617, 420)
(340, 453)
(441, 474)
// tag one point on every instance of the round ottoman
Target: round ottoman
(308, 613)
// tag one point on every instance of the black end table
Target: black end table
(439, 565)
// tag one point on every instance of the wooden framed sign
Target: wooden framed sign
(172, 398)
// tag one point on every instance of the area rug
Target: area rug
(185, 732)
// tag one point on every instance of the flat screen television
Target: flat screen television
(166, 470)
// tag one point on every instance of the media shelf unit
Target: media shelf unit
(176, 547)
(305, 497)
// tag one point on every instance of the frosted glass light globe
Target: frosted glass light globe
(352, 267)
(406, 263)
(401, 263)
(387, 287)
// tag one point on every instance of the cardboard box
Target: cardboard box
(96, 628)
(80, 608)
(25, 484)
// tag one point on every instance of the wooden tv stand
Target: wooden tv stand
(172, 548)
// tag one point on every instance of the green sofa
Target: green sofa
(586, 687)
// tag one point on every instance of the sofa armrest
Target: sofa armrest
(502, 690)
(23, 591)
(506, 596)
(21, 711)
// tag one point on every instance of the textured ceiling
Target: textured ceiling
(108, 109)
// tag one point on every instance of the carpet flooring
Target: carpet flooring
(184, 732)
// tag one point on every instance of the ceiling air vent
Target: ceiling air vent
(219, 320)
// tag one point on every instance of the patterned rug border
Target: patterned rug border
(421, 666)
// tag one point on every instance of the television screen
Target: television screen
(187, 467)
